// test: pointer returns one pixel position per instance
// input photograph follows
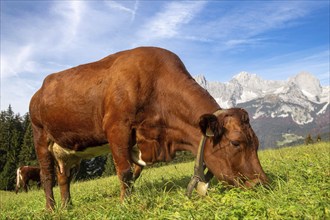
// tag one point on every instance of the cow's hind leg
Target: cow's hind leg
(46, 162)
(64, 183)
(65, 163)
(26, 185)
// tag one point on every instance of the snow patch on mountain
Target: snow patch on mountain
(296, 97)
(308, 84)
(322, 111)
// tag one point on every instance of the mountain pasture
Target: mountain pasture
(299, 189)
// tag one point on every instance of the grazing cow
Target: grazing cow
(24, 175)
(144, 104)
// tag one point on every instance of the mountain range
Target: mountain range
(282, 113)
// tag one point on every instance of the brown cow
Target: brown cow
(146, 106)
(24, 175)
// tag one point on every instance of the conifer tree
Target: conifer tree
(3, 140)
(8, 174)
(308, 139)
(27, 155)
(11, 138)
(6, 131)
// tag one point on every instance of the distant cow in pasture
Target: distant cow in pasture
(24, 175)
(144, 106)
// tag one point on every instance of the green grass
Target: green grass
(299, 189)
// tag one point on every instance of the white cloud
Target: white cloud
(17, 92)
(122, 7)
(244, 24)
(245, 41)
(17, 60)
(69, 15)
(44, 37)
(167, 23)
(61, 30)
(280, 67)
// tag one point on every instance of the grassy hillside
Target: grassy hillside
(300, 188)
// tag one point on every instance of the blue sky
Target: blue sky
(219, 39)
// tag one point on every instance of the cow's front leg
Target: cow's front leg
(124, 169)
(137, 171)
(119, 140)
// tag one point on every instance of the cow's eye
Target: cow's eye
(235, 143)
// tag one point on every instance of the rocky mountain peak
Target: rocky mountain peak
(308, 84)
(301, 92)
(248, 80)
(245, 77)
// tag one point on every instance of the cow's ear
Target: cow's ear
(211, 127)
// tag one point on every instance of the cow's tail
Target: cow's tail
(18, 179)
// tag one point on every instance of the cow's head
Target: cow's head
(230, 148)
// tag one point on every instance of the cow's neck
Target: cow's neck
(190, 103)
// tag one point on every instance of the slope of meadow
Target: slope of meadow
(299, 189)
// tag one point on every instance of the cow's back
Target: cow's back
(73, 105)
